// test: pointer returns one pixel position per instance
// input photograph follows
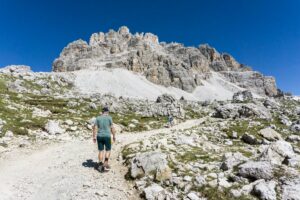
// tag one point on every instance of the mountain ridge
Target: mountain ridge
(167, 64)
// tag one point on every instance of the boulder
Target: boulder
(200, 180)
(290, 188)
(292, 162)
(277, 152)
(265, 190)
(53, 128)
(242, 96)
(256, 170)
(185, 140)
(232, 159)
(93, 106)
(165, 98)
(245, 190)
(250, 139)
(150, 162)
(293, 138)
(296, 127)
(154, 192)
(193, 196)
(9, 134)
(268, 103)
(285, 120)
(270, 134)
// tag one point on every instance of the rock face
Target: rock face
(253, 80)
(166, 64)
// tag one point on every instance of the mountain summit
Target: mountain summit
(191, 69)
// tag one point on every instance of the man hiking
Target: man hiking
(104, 128)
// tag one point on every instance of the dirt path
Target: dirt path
(65, 171)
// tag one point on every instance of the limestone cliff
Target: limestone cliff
(167, 64)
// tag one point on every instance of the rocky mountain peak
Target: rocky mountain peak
(167, 64)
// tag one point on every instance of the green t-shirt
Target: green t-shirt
(104, 123)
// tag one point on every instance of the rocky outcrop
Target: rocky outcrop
(242, 111)
(253, 81)
(15, 69)
(167, 64)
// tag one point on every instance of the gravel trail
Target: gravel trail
(66, 171)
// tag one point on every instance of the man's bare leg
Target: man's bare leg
(107, 156)
(100, 156)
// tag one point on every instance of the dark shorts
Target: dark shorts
(104, 142)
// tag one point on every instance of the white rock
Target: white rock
(9, 134)
(193, 196)
(290, 188)
(187, 178)
(265, 190)
(53, 127)
(153, 191)
(148, 162)
(131, 126)
(232, 159)
(270, 134)
(135, 121)
(73, 128)
(224, 183)
(182, 139)
(256, 170)
(277, 152)
(69, 122)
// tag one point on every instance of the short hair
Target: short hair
(105, 109)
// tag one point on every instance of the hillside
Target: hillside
(235, 136)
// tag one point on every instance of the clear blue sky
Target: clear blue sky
(264, 34)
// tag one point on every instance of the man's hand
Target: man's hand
(94, 140)
(114, 138)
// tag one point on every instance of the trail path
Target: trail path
(65, 171)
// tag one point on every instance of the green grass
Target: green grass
(192, 114)
(212, 193)
(196, 154)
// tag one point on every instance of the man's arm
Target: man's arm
(112, 129)
(94, 132)
(113, 132)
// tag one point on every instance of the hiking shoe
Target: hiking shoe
(100, 168)
(106, 168)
